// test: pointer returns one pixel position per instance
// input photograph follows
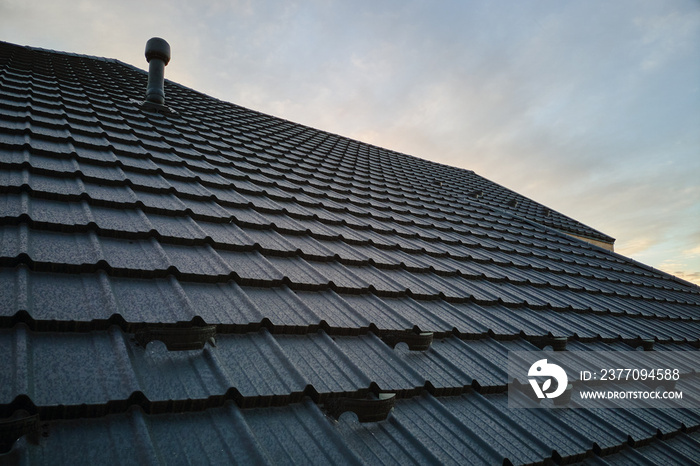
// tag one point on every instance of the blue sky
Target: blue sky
(589, 107)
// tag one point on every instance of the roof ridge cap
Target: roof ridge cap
(61, 52)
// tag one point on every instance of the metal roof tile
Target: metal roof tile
(414, 313)
(284, 223)
(167, 203)
(149, 300)
(520, 444)
(228, 195)
(425, 421)
(108, 193)
(101, 173)
(322, 363)
(182, 228)
(188, 188)
(441, 365)
(49, 247)
(100, 358)
(118, 220)
(277, 429)
(133, 160)
(334, 309)
(338, 274)
(680, 449)
(207, 209)
(484, 361)
(250, 265)
(54, 164)
(270, 240)
(46, 211)
(380, 363)
(252, 363)
(48, 184)
(147, 181)
(201, 261)
(247, 216)
(225, 233)
(310, 247)
(282, 307)
(64, 297)
(224, 303)
(464, 317)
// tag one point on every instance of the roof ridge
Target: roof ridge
(61, 52)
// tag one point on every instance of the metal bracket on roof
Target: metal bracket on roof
(177, 338)
(155, 107)
(373, 409)
(152, 107)
(557, 343)
(15, 427)
(647, 344)
(416, 341)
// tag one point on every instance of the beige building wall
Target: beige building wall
(602, 244)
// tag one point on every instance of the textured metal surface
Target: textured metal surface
(680, 449)
(301, 249)
(94, 297)
(470, 429)
(254, 369)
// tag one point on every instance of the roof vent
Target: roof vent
(157, 56)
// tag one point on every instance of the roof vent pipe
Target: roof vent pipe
(157, 56)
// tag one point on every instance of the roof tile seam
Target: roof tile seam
(276, 329)
(138, 398)
(247, 178)
(24, 218)
(270, 210)
(637, 444)
(198, 277)
(23, 259)
(69, 412)
(560, 222)
(224, 203)
(540, 340)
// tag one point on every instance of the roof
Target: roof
(297, 258)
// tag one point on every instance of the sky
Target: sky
(591, 108)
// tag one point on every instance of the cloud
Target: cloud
(681, 271)
(693, 252)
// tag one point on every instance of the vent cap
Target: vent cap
(157, 56)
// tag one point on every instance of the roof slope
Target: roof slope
(305, 252)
